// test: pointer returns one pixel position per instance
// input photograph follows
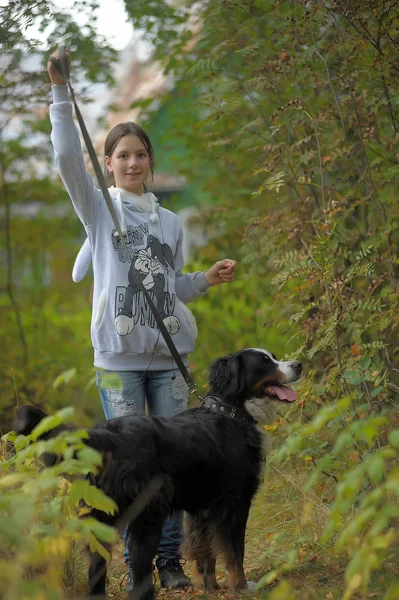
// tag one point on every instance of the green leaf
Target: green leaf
(97, 499)
(365, 363)
(393, 438)
(104, 532)
(50, 422)
(90, 456)
(267, 579)
(283, 591)
(12, 480)
(92, 496)
(350, 374)
(377, 391)
(392, 593)
(355, 380)
(356, 527)
(45, 483)
(64, 377)
(375, 466)
(9, 437)
(95, 546)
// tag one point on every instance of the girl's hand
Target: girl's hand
(221, 272)
(55, 77)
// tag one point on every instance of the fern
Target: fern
(327, 335)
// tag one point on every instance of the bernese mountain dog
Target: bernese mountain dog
(207, 461)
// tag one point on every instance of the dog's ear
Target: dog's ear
(26, 419)
(226, 376)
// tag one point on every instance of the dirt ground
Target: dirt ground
(318, 574)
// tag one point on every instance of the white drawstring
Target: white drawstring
(154, 217)
(121, 214)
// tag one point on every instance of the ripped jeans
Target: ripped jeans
(126, 393)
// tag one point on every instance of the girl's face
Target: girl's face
(129, 163)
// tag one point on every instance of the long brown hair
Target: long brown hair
(117, 133)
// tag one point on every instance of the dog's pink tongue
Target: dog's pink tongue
(284, 393)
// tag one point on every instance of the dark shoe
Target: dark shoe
(171, 575)
(129, 587)
(129, 584)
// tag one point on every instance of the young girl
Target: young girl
(133, 362)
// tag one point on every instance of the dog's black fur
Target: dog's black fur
(199, 461)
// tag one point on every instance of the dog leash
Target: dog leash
(62, 67)
(192, 387)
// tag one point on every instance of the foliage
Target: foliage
(298, 104)
(45, 512)
(347, 443)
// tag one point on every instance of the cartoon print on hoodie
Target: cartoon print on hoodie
(151, 265)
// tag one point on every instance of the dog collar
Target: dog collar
(215, 405)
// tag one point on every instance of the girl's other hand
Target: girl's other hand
(55, 77)
(221, 272)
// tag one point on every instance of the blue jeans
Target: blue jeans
(125, 393)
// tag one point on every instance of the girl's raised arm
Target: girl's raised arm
(86, 198)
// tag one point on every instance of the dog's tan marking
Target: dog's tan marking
(204, 577)
(236, 577)
(210, 582)
(270, 379)
(196, 577)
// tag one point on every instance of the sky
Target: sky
(111, 21)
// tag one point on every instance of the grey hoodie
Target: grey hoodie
(124, 334)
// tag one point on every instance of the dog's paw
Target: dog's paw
(172, 324)
(123, 324)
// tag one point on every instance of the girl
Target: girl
(133, 362)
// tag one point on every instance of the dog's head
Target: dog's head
(253, 373)
(26, 419)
